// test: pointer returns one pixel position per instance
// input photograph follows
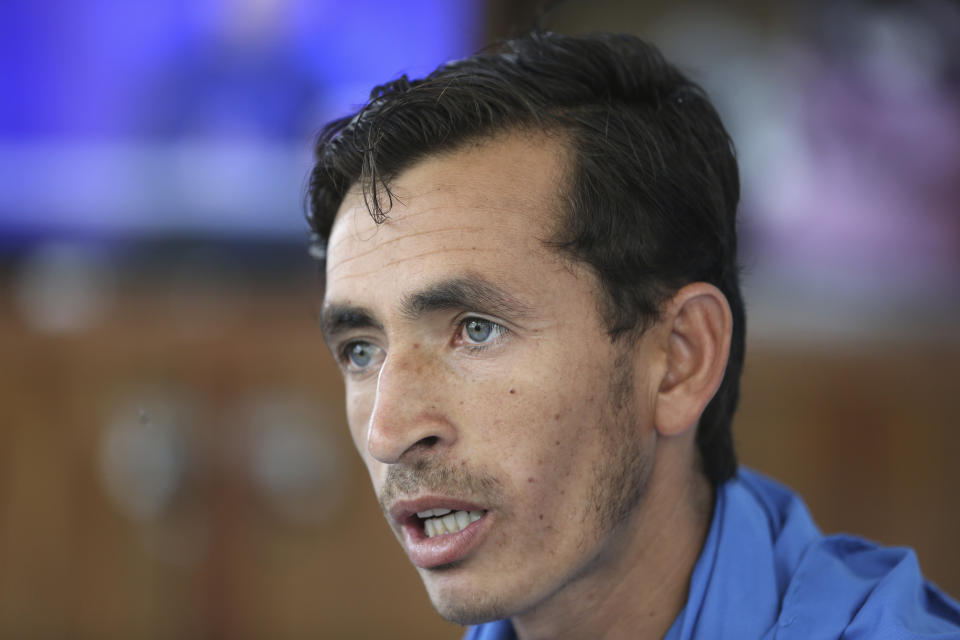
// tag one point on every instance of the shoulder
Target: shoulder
(843, 586)
(861, 590)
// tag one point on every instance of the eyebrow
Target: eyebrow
(338, 318)
(463, 292)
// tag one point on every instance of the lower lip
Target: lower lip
(446, 548)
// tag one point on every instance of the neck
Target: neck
(639, 584)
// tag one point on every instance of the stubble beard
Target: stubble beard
(618, 489)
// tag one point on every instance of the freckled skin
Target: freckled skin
(486, 210)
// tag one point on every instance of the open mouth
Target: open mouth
(438, 531)
(437, 522)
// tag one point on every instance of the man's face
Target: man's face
(480, 380)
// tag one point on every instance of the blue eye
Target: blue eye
(480, 331)
(360, 354)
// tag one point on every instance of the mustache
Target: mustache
(432, 476)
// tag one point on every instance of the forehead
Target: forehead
(485, 208)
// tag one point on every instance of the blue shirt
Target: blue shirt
(766, 571)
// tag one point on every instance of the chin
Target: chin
(469, 611)
(465, 606)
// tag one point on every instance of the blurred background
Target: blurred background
(174, 460)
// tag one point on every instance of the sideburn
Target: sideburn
(621, 484)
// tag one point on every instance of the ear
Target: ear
(696, 329)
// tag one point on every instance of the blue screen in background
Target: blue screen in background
(137, 119)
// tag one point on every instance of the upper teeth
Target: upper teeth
(433, 512)
(440, 521)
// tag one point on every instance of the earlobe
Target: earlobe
(697, 326)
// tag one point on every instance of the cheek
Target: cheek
(359, 406)
(378, 473)
(564, 426)
(359, 403)
(538, 432)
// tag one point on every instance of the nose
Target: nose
(408, 417)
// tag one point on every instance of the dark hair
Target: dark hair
(652, 190)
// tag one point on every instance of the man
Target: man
(531, 290)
